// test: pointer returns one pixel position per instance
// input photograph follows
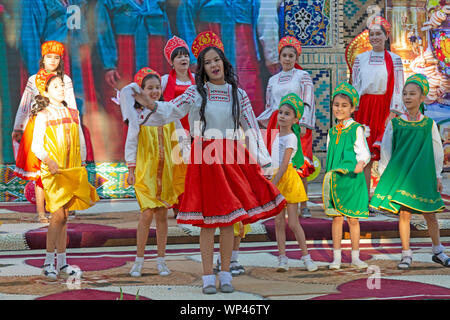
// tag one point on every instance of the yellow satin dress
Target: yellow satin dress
(70, 187)
(160, 172)
(291, 186)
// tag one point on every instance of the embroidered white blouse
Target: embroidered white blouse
(218, 115)
(285, 82)
(23, 112)
(369, 76)
(360, 147)
(386, 147)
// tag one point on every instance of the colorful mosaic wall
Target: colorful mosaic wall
(109, 178)
(355, 14)
(318, 24)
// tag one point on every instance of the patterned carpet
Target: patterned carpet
(106, 274)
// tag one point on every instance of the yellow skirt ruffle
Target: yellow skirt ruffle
(241, 229)
(291, 186)
(70, 188)
(160, 172)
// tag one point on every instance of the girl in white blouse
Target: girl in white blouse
(222, 174)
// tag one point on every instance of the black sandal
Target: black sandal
(405, 263)
(436, 259)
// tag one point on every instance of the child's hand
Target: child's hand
(439, 185)
(52, 166)
(131, 180)
(359, 167)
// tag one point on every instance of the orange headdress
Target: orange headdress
(42, 78)
(141, 74)
(52, 47)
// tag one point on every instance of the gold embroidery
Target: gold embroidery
(421, 199)
(405, 123)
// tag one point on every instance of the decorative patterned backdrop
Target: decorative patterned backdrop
(323, 26)
(109, 179)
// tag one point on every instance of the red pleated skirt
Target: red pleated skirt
(225, 185)
(28, 166)
(373, 112)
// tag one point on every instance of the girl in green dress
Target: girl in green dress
(344, 186)
(410, 167)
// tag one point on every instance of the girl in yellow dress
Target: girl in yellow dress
(157, 175)
(286, 152)
(56, 143)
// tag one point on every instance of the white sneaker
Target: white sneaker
(136, 270)
(358, 264)
(334, 265)
(310, 265)
(282, 264)
(49, 271)
(68, 271)
(163, 270)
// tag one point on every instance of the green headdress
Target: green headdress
(297, 104)
(422, 82)
(349, 91)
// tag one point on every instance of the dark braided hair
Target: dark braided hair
(230, 77)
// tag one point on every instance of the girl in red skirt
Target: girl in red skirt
(378, 78)
(27, 165)
(224, 183)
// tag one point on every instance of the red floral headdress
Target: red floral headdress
(205, 40)
(290, 41)
(171, 45)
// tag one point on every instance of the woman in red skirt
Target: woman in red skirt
(378, 77)
(177, 81)
(224, 182)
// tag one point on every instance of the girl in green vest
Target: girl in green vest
(410, 167)
(344, 187)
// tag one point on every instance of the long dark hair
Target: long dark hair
(41, 102)
(230, 77)
(59, 70)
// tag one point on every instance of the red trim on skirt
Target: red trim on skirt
(220, 194)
